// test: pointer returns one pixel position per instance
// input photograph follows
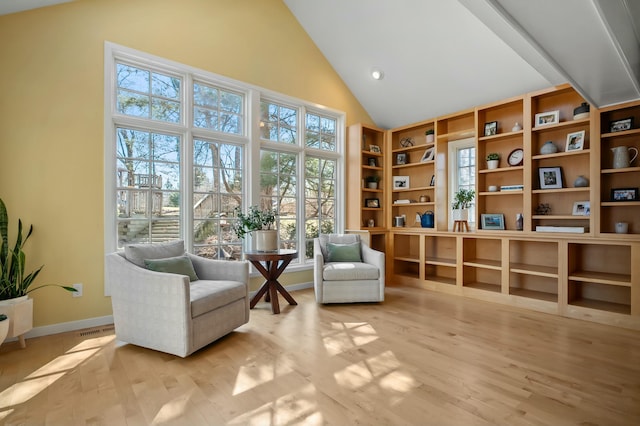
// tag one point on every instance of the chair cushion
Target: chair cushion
(323, 239)
(207, 295)
(343, 252)
(180, 265)
(137, 253)
(345, 271)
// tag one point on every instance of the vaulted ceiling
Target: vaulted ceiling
(442, 56)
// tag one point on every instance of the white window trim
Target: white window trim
(253, 96)
(453, 147)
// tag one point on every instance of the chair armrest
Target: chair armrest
(136, 286)
(213, 269)
(374, 257)
(318, 266)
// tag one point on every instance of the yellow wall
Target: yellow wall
(51, 113)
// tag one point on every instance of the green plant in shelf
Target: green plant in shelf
(373, 178)
(493, 156)
(429, 132)
(463, 198)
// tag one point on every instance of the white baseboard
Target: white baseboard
(64, 327)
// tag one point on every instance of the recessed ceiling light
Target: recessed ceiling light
(377, 74)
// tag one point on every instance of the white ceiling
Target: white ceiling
(443, 56)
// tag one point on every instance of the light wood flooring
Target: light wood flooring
(419, 358)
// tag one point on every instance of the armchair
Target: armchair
(354, 280)
(168, 312)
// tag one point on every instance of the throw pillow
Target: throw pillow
(180, 265)
(343, 252)
(137, 253)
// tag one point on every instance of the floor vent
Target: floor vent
(97, 330)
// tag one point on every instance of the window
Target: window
(462, 166)
(181, 145)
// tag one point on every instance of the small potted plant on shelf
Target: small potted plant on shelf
(493, 159)
(258, 223)
(372, 181)
(429, 134)
(462, 199)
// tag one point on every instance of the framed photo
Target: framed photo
(373, 162)
(433, 180)
(490, 128)
(575, 141)
(546, 118)
(492, 221)
(624, 194)
(550, 177)
(374, 148)
(400, 182)
(581, 208)
(621, 125)
(402, 158)
(372, 203)
(428, 155)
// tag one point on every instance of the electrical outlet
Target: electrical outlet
(78, 292)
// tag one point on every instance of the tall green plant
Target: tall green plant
(13, 281)
(255, 220)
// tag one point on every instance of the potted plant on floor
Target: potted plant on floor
(493, 159)
(258, 223)
(15, 285)
(4, 327)
(462, 200)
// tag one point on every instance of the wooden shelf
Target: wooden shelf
(484, 286)
(608, 278)
(484, 264)
(559, 217)
(501, 193)
(560, 154)
(551, 191)
(407, 259)
(561, 125)
(619, 203)
(413, 148)
(623, 133)
(504, 135)
(600, 305)
(623, 170)
(371, 153)
(501, 169)
(532, 294)
(371, 190)
(454, 136)
(402, 166)
(439, 261)
(441, 280)
(537, 270)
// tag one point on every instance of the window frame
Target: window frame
(250, 139)
(453, 185)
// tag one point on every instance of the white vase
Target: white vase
(266, 240)
(492, 164)
(20, 313)
(4, 330)
(460, 214)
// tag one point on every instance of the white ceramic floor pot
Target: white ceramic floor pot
(20, 313)
(4, 329)
(266, 240)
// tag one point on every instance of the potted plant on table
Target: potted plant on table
(15, 286)
(462, 200)
(493, 159)
(258, 223)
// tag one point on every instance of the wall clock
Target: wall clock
(516, 157)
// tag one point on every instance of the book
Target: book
(512, 188)
(573, 229)
(402, 202)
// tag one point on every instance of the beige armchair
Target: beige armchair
(340, 277)
(169, 312)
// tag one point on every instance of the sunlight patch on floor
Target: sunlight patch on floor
(172, 410)
(299, 407)
(348, 336)
(259, 372)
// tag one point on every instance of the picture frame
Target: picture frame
(624, 194)
(372, 203)
(432, 182)
(581, 208)
(546, 118)
(374, 148)
(575, 141)
(400, 182)
(491, 128)
(492, 221)
(428, 155)
(402, 159)
(550, 177)
(373, 162)
(621, 125)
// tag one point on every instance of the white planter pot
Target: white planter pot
(266, 240)
(372, 185)
(430, 138)
(461, 214)
(492, 164)
(4, 330)
(20, 313)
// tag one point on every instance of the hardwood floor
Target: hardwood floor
(419, 358)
